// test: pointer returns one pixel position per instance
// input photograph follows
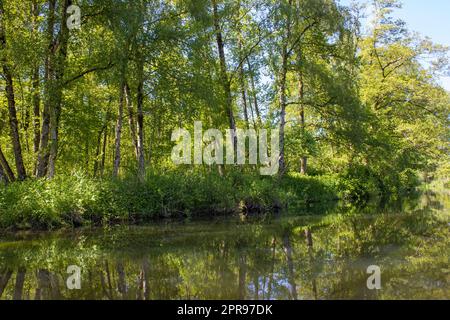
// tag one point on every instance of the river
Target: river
(322, 252)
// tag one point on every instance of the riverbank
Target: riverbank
(77, 200)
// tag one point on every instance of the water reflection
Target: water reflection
(273, 257)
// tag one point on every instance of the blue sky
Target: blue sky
(428, 17)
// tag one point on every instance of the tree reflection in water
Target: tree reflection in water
(322, 253)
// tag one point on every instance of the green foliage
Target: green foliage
(52, 203)
(76, 200)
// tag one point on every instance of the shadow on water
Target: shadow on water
(321, 252)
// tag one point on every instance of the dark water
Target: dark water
(320, 253)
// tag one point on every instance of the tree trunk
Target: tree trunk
(42, 161)
(304, 159)
(131, 120)
(13, 122)
(283, 97)
(254, 94)
(36, 111)
(36, 93)
(97, 163)
(43, 155)
(117, 154)
(243, 86)
(140, 120)
(7, 169)
(105, 142)
(283, 109)
(53, 142)
(97, 150)
(244, 97)
(14, 126)
(3, 176)
(60, 53)
(304, 165)
(226, 84)
(309, 239)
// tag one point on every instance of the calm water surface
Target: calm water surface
(319, 253)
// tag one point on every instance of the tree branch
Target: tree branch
(110, 65)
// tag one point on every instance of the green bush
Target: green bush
(65, 200)
(76, 200)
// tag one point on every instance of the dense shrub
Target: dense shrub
(53, 203)
(76, 200)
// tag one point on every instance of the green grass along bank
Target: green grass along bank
(77, 200)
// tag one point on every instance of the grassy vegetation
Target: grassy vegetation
(76, 200)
